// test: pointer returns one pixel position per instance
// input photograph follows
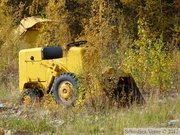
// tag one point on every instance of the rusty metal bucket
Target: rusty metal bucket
(122, 88)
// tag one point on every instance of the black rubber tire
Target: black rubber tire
(70, 77)
(27, 92)
(32, 94)
(35, 94)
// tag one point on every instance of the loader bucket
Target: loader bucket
(125, 91)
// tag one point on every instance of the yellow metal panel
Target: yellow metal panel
(36, 53)
(75, 59)
(22, 69)
(33, 69)
(30, 69)
(31, 36)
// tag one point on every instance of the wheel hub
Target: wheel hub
(65, 90)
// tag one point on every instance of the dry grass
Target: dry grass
(49, 118)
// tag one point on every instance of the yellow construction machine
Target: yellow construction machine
(45, 70)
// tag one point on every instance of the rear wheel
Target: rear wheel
(65, 89)
(28, 97)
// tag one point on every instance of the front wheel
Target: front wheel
(65, 89)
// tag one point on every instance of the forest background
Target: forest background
(139, 36)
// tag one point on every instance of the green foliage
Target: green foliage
(174, 65)
(150, 64)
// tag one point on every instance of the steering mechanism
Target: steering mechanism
(78, 43)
